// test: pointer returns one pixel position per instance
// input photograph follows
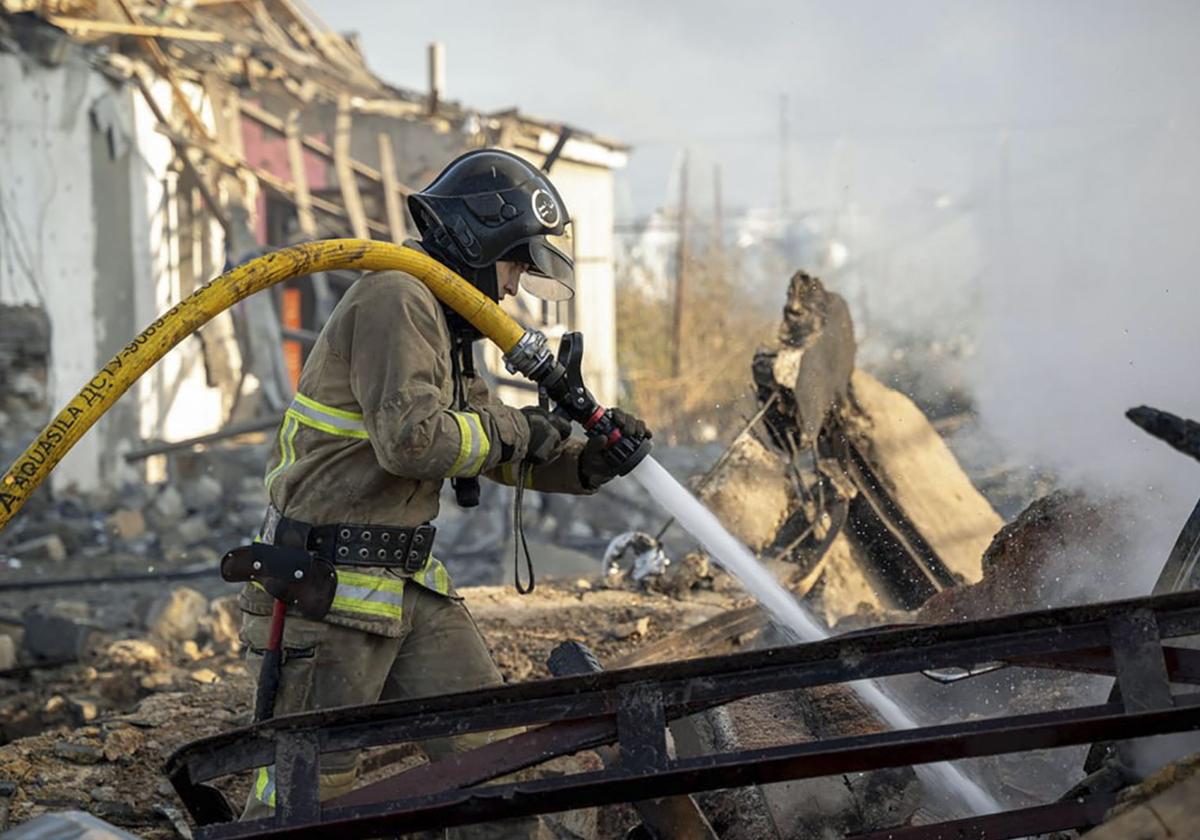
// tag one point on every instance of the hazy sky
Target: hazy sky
(878, 91)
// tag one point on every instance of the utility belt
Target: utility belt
(345, 544)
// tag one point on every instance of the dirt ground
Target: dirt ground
(110, 764)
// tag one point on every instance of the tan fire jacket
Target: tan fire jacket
(373, 433)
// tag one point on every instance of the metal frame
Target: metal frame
(632, 706)
(1059, 816)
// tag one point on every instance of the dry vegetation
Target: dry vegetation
(710, 396)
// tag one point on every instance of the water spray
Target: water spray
(792, 617)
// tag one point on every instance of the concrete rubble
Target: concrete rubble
(841, 485)
(24, 361)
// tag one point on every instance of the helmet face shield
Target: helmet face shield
(552, 274)
(549, 273)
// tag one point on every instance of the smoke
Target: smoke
(1055, 285)
(1072, 269)
(1088, 308)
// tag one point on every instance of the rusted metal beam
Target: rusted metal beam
(483, 763)
(1024, 822)
(1182, 664)
(527, 749)
(670, 817)
(994, 736)
(683, 688)
(1179, 574)
(723, 678)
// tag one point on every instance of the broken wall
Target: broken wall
(96, 232)
(175, 398)
(47, 237)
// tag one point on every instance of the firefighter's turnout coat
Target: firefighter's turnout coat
(374, 430)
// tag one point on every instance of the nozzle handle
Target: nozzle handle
(622, 450)
(562, 382)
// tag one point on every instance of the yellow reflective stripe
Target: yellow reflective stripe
(441, 578)
(370, 581)
(485, 445)
(371, 595)
(332, 421)
(508, 475)
(264, 785)
(464, 443)
(341, 413)
(307, 411)
(287, 448)
(371, 608)
(327, 428)
(434, 577)
(473, 444)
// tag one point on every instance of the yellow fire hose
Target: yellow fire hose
(187, 316)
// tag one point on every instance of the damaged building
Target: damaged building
(146, 149)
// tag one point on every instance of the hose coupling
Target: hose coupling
(530, 356)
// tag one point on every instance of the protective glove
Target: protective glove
(594, 468)
(547, 433)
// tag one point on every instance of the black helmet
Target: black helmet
(489, 205)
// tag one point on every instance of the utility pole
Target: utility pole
(680, 272)
(785, 199)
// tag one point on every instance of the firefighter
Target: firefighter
(389, 406)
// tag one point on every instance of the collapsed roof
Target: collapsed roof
(268, 47)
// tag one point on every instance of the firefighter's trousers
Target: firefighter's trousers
(325, 665)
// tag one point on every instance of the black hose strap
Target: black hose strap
(519, 542)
